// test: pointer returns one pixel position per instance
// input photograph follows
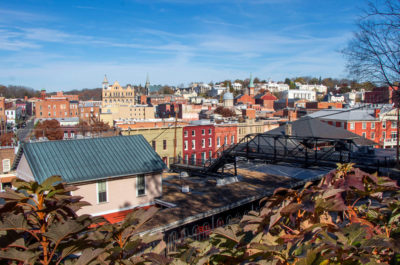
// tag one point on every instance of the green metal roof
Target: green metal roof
(92, 159)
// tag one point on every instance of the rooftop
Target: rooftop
(90, 159)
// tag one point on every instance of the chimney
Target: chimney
(43, 94)
(377, 112)
(288, 129)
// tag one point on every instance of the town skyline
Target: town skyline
(65, 46)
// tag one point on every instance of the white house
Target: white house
(299, 94)
(13, 114)
(237, 86)
(276, 87)
(318, 88)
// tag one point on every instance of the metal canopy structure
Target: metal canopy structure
(297, 150)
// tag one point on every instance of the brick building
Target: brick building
(59, 106)
(376, 124)
(225, 135)
(266, 100)
(380, 95)
(89, 109)
(198, 143)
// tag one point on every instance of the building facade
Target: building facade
(225, 136)
(115, 94)
(198, 143)
(376, 124)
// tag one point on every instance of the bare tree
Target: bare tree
(374, 52)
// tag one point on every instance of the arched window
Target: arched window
(220, 222)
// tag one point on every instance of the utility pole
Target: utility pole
(397, 139)
(175, 129)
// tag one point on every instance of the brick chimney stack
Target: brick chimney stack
(377, 112)
(43, 94)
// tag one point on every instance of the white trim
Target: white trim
(123, 209)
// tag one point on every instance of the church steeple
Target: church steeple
(147, 85)
(251, 86)
(105, 82)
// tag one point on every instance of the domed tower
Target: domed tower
(228, 99)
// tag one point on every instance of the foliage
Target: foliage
(224, 112)
(95, 126)
(6, 139)
(350, 217)
(166, 90)
(126, 246)
(373, 51)
(38, 223)
(50, 129)
(17, 92)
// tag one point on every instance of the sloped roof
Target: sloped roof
(307, 127)
(358, 114)
(91, 159)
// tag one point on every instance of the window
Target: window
(164, 144)
(394, 135)
(193, 159)
(209, 131)
(209, 142)
(185, 145)
(384, 124)
(209, 154)
(203, 132)
(226, 140)
(203, 157)
(372, 125)
(364, 125)
(186, 159)
(153, 143)
(218, 142)
(101, 191)
(203, 143)
(65, 134)
(186, 133)
(364, 134)
(384, 135)
(232, 139)
(193, 144)
(372, 135)
(6, 165)
(140, 185)
(394, 124)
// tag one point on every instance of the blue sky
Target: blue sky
(63, 45)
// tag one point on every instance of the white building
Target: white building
(299, 94)
(237, 86)
(276, 87)
(317, 88)
(13, 114)
(217, 90)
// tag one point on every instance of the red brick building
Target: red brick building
(59, 106)
(380, 95)
(198, 143)
(376, 124)
(266, 100)
(245, 99)
(225, 136)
